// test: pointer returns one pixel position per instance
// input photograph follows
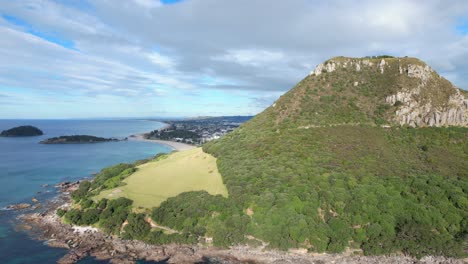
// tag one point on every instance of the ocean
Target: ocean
(29, 169)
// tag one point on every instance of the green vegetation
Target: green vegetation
(202, 214)
(109, 217)
(326, 189)
(108, 178)
(379, 57)
(347, 96)
(315, 171)
(137, 227)
(154, 182)
(22, 131)
(148, 183)
(76, 139)
(172, 134)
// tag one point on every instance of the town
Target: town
(197, 131)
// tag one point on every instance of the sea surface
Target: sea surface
(29, 169)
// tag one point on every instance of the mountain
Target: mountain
(364, 156)
(375, 90)
(367, 155)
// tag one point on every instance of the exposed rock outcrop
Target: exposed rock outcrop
(325, 67)
(422, 97)
(413, 113)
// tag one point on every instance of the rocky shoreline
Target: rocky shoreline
(82, 242)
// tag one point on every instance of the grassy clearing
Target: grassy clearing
(154, 182)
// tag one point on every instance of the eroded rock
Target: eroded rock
(20, 206)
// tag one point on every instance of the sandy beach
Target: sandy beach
(175, 145)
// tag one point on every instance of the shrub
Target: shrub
(82, 191)
(137, 227)
(61, 212)
(73, 216)
(90, 216)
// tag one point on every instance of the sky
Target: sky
(176, 58)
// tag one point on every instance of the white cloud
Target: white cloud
(30, 61)
(261, 47)
(251, 57)
(148, 3)
(161, 60)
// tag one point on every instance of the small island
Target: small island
(22, 131)
(77, 139)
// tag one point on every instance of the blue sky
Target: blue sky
(462, 26)
(168, 2)
(144, 58)
(48, 36)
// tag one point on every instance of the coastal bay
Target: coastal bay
(31, 170)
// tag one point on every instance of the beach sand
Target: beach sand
(175, 145)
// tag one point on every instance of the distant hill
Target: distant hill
(22, 131)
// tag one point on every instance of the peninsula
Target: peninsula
(22, 131)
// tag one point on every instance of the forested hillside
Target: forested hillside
(329, 166)
(339, 162)
(381, 190)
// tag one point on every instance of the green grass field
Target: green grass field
(184, 171)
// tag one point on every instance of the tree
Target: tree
(82, 191)
(137, 227)
(73, 216)
(90, 216)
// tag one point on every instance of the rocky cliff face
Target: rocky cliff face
(421, 98)
(413, 113)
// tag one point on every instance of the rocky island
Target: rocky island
(22, 131)
(77, 139)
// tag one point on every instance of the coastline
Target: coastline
(178, 146)
(82, 242)
(174, 145)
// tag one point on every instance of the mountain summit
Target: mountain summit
(379, 90)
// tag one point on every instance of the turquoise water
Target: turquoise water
(26, 165)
